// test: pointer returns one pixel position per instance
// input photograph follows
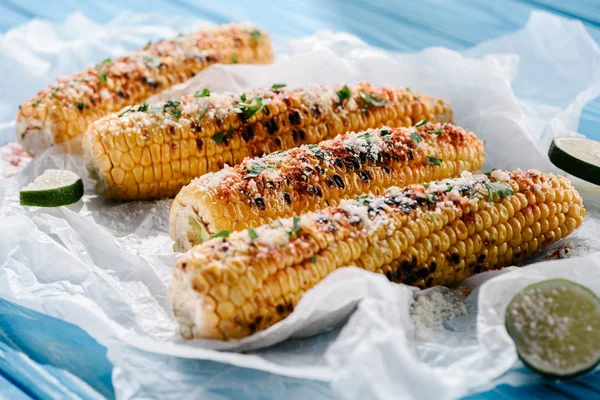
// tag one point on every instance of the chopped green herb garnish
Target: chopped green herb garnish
(128, 109)
(219, 137)
(234, 59)
(426, 185)
(202, 114)
(385, 134)
(277, 86)
(416, 138)
(103, 62)
(205, 93)
(498, 188)
(248, 108)
(278, 152)
(80, 106)
(432, 217)
(36, 103)
(223, 234)
(151, 61)
(420, 123)
(172, 106)
(363, 199)
(438, 132)
(256, 169)
(407, 89)
(449, 189)
(313, 259)
(345, 93)
(252, 234)
(147, 46)
(317, 151)
(431, 160)
(102, 77)
(143, 107)
(255, 33)
(429, 198)
(295, 226)
(364, 135)
(371, 100)
(55, 89)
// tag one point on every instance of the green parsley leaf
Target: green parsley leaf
(277, 152)
(364, 135)
(345, 93)
(420, 123)
(256, 169)
(103, 62)
(102, 77)
(313, 259)
(234, 59)
(431, 160)
(255, 33)
(205, 93)
(449, 189)
(429, 198)
(80, 106)
(426, 185)
(143, 107)
(219, 137)
(55, 89)
(371, 100)
(501, 189)
(317, 151)
(128, 109)
(201, 115)
(416, 138)
(151, 61)
(385, 134)
(223, 234)
(36, 103)
(248, 108)
(432, 217)
(438, 132)
(363, 199)
(407, 89)
(295, 226)
(278, 86)
(172, 106)
(252, 234)
(147, 46)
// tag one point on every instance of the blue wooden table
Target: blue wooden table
(40, 356)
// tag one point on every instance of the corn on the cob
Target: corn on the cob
(64, 110)
(423, 235)
(312, 177)
(153, 153)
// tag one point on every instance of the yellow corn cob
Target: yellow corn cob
(152, 154)
(437, 234)
(312, 177)
(63, 110)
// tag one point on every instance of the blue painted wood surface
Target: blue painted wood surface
(51, 346)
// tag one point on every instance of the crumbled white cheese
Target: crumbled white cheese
(429, 311)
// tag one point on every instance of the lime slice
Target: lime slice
(556, 327)
(53, 188)
(577, 156)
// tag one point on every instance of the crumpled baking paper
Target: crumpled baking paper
(105, 266)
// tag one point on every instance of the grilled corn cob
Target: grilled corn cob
(63, 110)
(423, 235)
(153, 152)
(312, 177)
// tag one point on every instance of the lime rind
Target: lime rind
(52, 189)
(577, 156)
(555, 326)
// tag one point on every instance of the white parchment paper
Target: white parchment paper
(105, 266)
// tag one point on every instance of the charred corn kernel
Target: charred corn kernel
(370, 232)
(224, 129)
(78, 100)
(312, 177)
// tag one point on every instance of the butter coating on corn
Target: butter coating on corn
(437, 234)
(312, 177)
(63, 110)
(153, 152)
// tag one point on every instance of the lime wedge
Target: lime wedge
(53, 188)
(556, 327)
(577, 156)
